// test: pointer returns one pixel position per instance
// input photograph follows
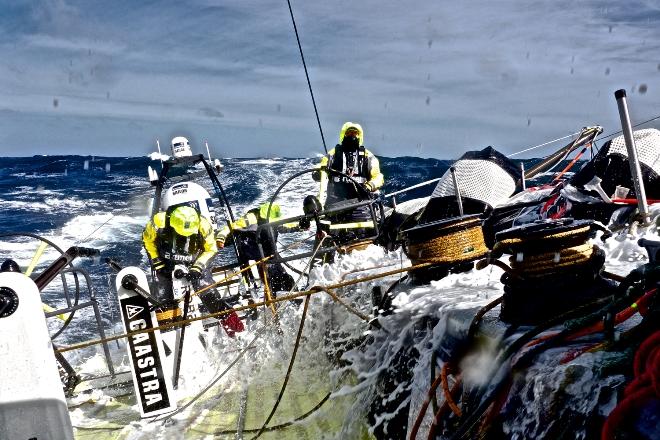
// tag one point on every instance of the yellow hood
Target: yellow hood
(348, 125)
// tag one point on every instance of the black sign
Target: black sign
(143, 349)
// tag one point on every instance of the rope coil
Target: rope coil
(544, 264)
(455, 241)
(553, 268)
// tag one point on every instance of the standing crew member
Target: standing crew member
(353, 159)
(247, 240)
(182, 236)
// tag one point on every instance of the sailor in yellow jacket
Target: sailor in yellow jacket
(182, 236)
(248, 240)
(353, 159)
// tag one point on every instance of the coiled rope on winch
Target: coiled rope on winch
(458, 246)
(451, 244)
(543, 264)
(553, 268)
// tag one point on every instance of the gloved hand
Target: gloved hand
(304, 223)
(220, 242)
(195, 273)
(232, 324)
(158, 265)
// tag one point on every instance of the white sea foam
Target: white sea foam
(99, 230)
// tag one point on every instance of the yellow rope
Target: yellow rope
(348, 307)
(559, 235)
(267, 292)
(382, 266)
(359, 246)
(35, 259)
(535, 264)
(454, 247)
(544, 263)
(166, 315)
(233, 275)
(313, 290)
(582, 250)
(248, 267)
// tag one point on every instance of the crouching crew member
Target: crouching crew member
(248, 241)
(182, 236)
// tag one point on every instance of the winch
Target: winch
(553, 269)
(450, 244)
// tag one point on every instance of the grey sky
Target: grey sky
(428, 78)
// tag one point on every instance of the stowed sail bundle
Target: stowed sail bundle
(610, 165)
(484, 178)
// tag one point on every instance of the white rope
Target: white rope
(411, 187)
(544, 144)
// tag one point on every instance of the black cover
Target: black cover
(491, 154)
(614, 170)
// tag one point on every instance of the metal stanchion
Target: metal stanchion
(635, 170)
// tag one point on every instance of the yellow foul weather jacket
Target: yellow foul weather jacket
(361, 165)
(161, 241)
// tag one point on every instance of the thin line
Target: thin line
(545, 143)
(95, 230)
(636, 125)
(309, 84)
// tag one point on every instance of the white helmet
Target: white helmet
(180, 147)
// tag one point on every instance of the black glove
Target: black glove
(316, 176)
(158, 265)
(195, 273)
(304, 223)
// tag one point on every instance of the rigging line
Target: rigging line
(636, 125)
(309, 84)
(264, 427)
(95, 230)
(288, 371)
(213, 382)
(258, 334)
(545, 143)
(313, 290)
(282, 425)
(570, 135)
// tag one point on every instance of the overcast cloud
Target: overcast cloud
(427, 78)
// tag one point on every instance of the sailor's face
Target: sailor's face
(351, 132)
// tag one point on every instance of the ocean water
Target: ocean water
(57, 198)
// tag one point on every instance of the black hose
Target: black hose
(282, 425)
